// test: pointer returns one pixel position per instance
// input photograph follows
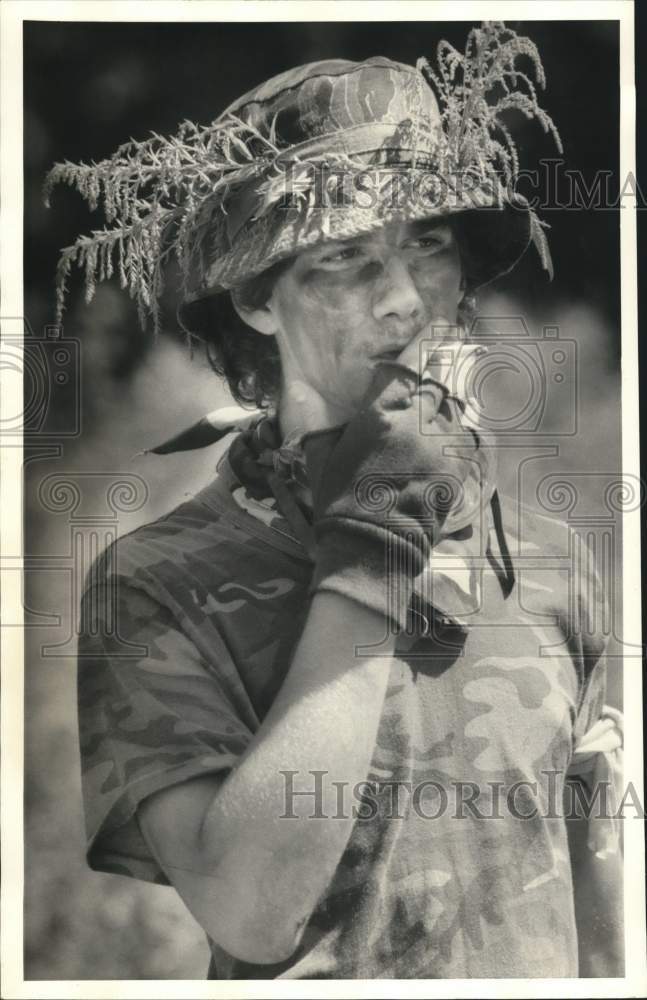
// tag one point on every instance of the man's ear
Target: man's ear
(261, 318)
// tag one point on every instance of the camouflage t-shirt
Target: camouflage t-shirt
(458, 862)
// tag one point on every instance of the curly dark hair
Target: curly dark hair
(249, 361)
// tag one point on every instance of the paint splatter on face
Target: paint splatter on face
(343, 303)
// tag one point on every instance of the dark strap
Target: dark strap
(292, 512)
(507, 577)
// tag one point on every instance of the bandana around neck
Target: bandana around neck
(272, 478)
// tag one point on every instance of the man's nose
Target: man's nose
(396, 294)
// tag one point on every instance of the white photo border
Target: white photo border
(13, 13)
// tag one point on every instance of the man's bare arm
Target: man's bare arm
(250, 877)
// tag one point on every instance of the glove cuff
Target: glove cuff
(370, 565)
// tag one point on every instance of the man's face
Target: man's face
(344, 303)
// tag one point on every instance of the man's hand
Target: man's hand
(387, 486)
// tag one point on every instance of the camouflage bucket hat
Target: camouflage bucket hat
(327, 151)
(361, 145)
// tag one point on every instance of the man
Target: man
(329, 710)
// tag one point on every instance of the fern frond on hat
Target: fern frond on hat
(262, 181)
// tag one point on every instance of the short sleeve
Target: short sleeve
(151, 714)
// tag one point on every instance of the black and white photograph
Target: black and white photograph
(322, 655)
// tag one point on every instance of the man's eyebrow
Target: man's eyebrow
(421, 226)
(331, 245)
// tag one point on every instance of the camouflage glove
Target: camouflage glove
(402, 474)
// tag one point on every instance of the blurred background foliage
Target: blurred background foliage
(87, 88)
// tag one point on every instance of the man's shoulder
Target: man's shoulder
(178, 535)
(205, 541)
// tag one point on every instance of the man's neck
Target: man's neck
(298, 416)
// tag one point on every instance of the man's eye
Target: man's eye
(427, 243)
(341, 255)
